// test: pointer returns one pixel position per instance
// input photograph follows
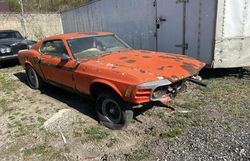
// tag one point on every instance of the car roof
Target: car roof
(76, 35)
(8, 30)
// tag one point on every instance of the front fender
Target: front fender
(108, 83)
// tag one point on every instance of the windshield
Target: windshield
(10, 34)
(95, 46)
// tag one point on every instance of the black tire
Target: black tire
(112, 111)
(33, 79)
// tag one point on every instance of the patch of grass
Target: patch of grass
(172, 133)
(43, 150)
(44, 5)
(24, 118)
(180, 120)
(41, 120)
(48, 134)
(13, 5)
(30, 99)
(46, 152)
(4, 105)
(7, 84)
(11, 117)
(77, 133)
(232, 128)
(151, 131)
(96, 133)
(40, 149)
(25, 130)
(38, 111)
(79, 122)
(15, 69)
(138, 154)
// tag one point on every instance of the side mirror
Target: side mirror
(65, 57)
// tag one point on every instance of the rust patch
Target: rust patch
(174, 77)
(130, 61)
(170, 66)
(124, 57)
(146, 56)
(176, 58)
(191, 68)
(161, 68)
(142, 71)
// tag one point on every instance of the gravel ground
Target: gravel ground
(209, 124)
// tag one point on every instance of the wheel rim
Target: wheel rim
(32, 77)
(112, 111)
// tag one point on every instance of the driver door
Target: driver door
(54, 68)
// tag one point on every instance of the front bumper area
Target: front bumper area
(8, 57)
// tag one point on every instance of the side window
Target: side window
(55, 48)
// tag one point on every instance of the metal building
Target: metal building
(214, 31)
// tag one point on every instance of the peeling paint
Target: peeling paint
(124, 57)
(142, 71)
(130, 61)
(161, 68)
(191, 68)
(146, 56)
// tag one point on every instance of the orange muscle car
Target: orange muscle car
(104, 67)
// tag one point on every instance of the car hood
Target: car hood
(14, 41)
(150, 66)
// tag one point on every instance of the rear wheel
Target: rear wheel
(33, 79)
(112, 111)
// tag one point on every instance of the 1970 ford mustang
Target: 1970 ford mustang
(104, 67)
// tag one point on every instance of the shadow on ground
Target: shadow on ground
(81, 104)
(84, 105)
(219, 73)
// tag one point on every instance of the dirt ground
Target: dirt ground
(210, 124)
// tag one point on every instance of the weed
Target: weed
(172, 133)
(95, 133)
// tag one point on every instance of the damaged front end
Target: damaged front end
(163, 91)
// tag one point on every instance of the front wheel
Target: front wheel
(33, 79)
(112, 111)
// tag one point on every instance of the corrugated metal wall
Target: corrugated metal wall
(135, 22)
(132, 20)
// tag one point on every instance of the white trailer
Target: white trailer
(214, 31)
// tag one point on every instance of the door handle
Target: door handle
(162, 19)
(158, 21)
